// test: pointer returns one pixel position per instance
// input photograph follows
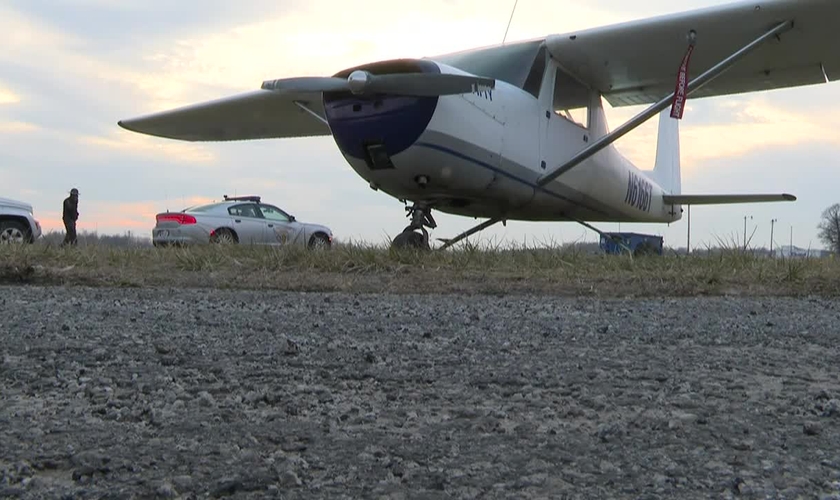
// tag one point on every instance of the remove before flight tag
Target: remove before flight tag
(681, 92)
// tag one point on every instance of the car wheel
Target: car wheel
(13, 233)
(319, 240)
(223, 237)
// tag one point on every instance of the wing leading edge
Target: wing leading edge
(724, 199)
(261, 114)
(636, 62)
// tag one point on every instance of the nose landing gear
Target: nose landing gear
(421, 218)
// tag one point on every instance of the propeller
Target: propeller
(362, 82)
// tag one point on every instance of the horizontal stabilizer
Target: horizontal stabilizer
(724, 199)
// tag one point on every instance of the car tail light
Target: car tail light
(179, 218)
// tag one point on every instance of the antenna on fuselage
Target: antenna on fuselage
(509, 21)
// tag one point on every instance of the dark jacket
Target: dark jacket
(71, 209)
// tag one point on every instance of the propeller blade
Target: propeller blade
(307, 84)
(362, 82)
(428, 84)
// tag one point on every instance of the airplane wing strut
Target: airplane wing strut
(466, 234)
(645, 115)
(316, 115)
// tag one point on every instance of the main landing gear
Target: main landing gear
(421, 218)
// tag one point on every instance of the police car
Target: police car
(17, 222)
(238, 220)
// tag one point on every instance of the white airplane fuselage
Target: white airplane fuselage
(481, 155)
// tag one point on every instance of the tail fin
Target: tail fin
(666, 171)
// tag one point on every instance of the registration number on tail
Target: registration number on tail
(639, 192)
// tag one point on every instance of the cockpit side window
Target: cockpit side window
(571, 99)
(535, 77)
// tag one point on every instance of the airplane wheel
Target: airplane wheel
(409, 239)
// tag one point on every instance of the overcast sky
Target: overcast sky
(69, 69)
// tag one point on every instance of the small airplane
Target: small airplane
(518, 131)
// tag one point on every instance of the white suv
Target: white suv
(17, 222)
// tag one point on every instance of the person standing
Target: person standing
(70, 215)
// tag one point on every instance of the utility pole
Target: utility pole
(772, 224)
(791, 240)
(745, 230)
(688, 236)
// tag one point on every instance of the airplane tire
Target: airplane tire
(409, 239)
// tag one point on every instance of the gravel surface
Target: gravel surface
(127, 393)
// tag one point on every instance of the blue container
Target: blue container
(632, 240)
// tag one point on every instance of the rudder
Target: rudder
(666, 171)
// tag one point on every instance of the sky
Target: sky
(70, 69)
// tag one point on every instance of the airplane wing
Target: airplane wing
(261, 114)
(637, 62)
(724, 199)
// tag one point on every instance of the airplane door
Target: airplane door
(565, 120)
(555, 148)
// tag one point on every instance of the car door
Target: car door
(248, 223)
(281, 229)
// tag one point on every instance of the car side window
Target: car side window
(273, 213)
(246, 210)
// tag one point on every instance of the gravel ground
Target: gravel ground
(127, 393)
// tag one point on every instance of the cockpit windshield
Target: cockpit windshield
(511, 63)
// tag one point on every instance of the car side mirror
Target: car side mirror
(291, 218)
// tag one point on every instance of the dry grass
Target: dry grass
(370, 269)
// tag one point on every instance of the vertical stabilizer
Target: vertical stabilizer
(666, 171)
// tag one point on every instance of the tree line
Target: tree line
(829, 228)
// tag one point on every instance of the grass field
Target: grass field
(469, 269)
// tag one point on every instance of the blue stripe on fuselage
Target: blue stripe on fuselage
(505, 173)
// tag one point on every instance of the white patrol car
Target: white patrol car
(17, 222)
(243, 220)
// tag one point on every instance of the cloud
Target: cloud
(17, 127)
(762, 125)
(7, 97)
(113, 217)
(150, 147)
(729, 127)
(22, 32)
(187, 69)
